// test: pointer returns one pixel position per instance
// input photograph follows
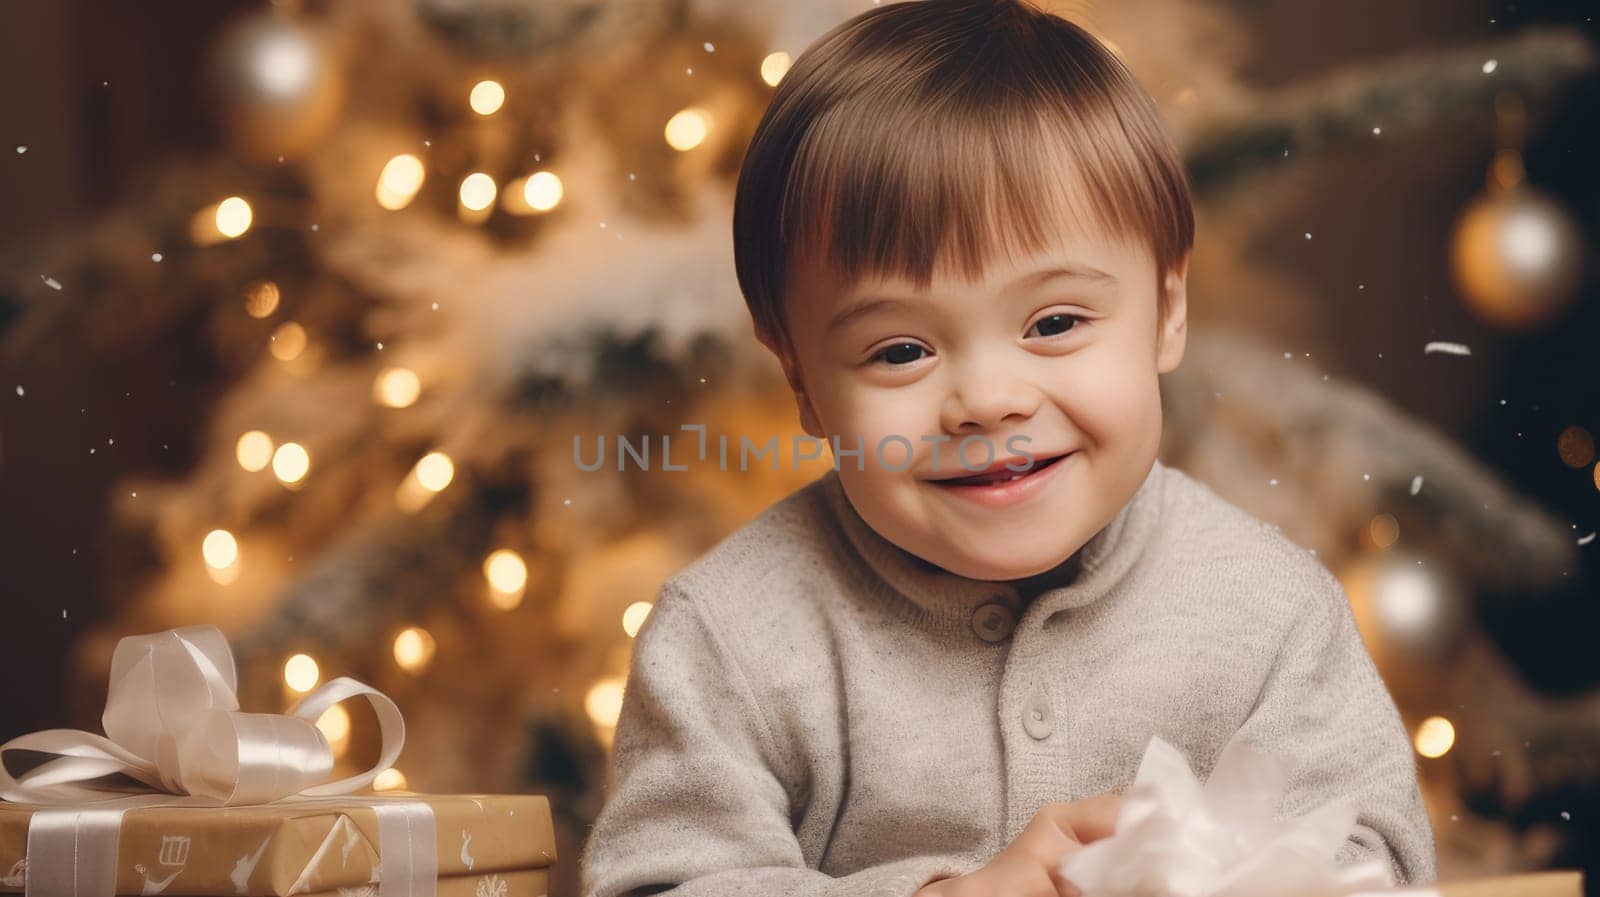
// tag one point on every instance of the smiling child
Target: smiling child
(964, 233)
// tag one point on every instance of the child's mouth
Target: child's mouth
(1001, 475)
(1002, 487)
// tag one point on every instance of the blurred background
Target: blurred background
(302, 304)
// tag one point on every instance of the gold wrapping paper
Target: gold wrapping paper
(279, 850)
(517, 883)
(1554, 883)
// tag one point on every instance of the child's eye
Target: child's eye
(1053, 325)
(899, 354)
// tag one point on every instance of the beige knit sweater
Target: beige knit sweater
(813, 711)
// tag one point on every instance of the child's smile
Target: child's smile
(1007, 483)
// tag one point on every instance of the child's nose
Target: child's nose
(986, 398)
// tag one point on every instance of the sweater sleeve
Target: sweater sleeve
(697, 803)
(1326, 710)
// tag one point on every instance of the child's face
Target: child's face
(1069, 362)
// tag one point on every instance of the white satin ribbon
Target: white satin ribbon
(173, 724)
(1177, 837)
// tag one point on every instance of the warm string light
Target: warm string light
(233, 217)
(533, 195)
(774, 67)
(603, 703)
(413, 649)
(508, 578)
(543, 191)
(487, 97)
(435, 471)
(300, 673)
(254, 451)
(477, 192)
(221, 553)
(399, 182)
(1434, 737)
(290, 463)
(335, 726)
(219, 549)
(688, 128)
(396, 387)
(634, 617)
(226, 219)
(428, 477)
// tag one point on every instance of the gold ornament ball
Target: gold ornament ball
(1414, 618)
(279, 84)
(1517, 257)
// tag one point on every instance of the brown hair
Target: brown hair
(917, 118)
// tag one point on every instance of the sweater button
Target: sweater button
(993, 622)
(1037, 718)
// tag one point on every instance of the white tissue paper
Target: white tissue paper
(1178, 838)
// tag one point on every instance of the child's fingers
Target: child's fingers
(1064, 886)
(1086, 820)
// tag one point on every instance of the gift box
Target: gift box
(520, 883)
(187, 795)
(1552, 883)
(274, 850)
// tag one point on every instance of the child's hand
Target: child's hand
(1027, 866)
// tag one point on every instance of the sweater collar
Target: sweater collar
(949, 600)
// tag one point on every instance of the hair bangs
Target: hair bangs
(936, 135)
(990, 180)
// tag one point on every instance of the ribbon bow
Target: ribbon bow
(174, 723)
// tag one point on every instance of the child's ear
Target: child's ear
(791, 372)
(1174, 328)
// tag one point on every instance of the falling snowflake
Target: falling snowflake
(1566, 816)
(1441, 346)
(1308, 235)
(19, 389)
(709, 47)
(50, 282)
(1586, 539)
(1377, 130)
(155, 256)
(1490, 66)
(21, 150)
(1416, 484)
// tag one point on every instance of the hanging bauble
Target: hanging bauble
(279, 84)
(1413, 614)
(1516, 253)
(1517, 257)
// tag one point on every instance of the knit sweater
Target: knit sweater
(811, 710)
